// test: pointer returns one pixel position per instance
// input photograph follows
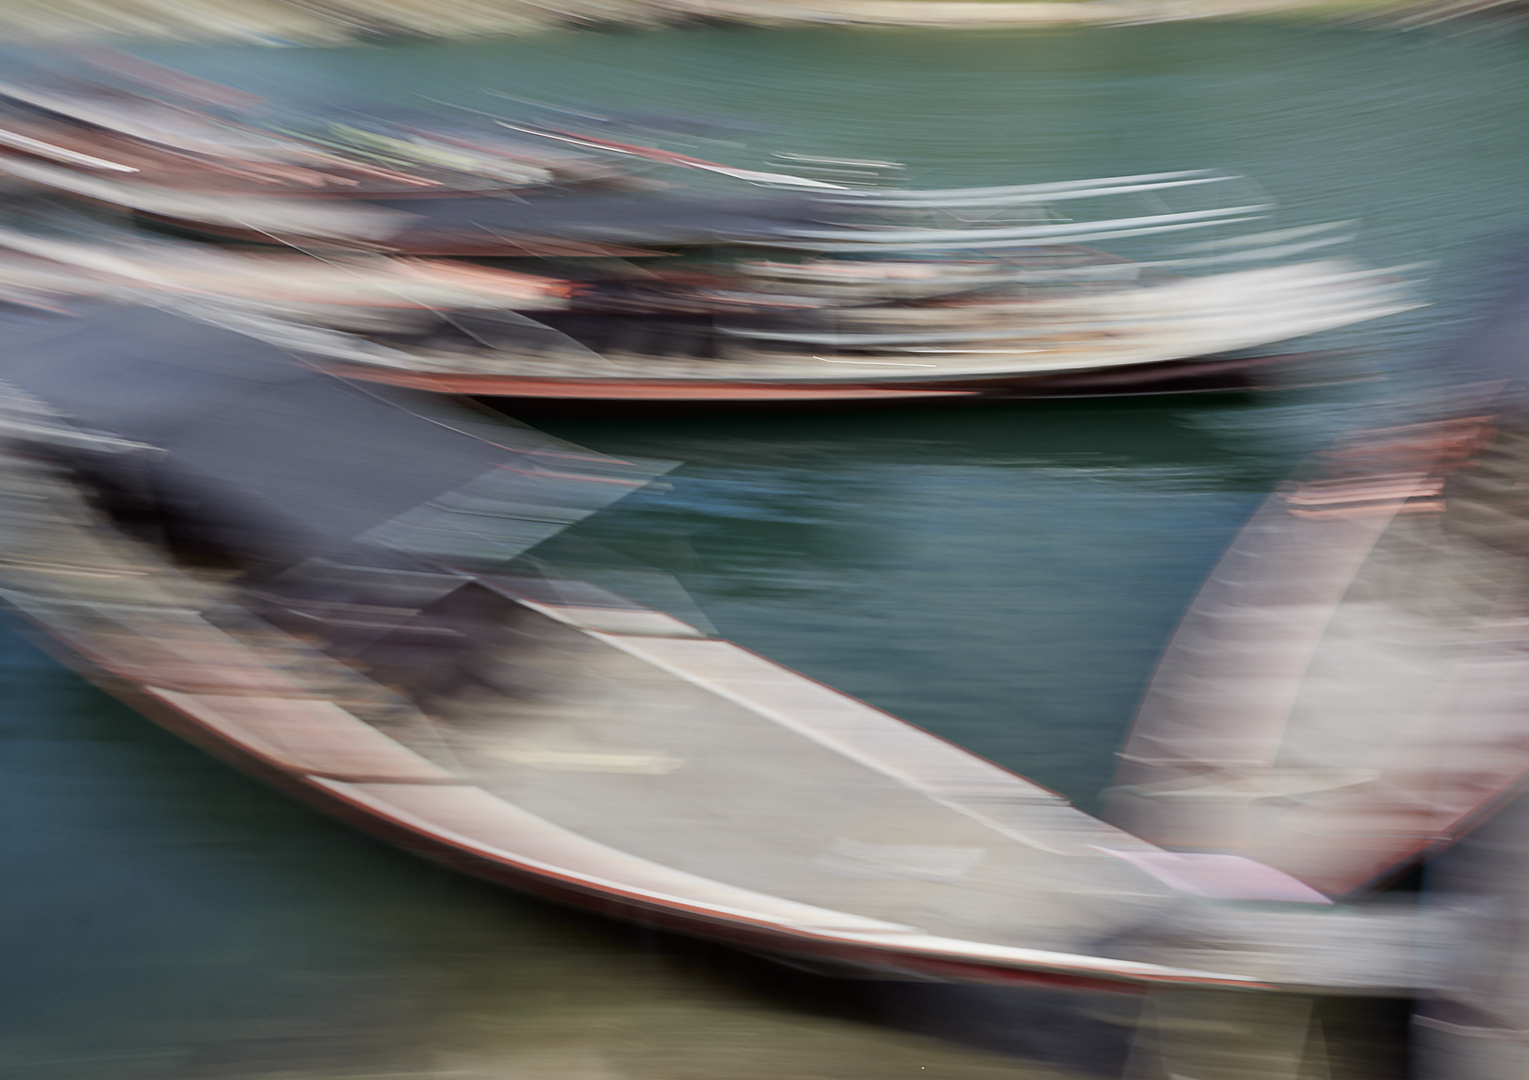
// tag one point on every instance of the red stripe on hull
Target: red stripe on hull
(675, 916)
(1168, 376)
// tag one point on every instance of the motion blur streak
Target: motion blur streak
(267, 314)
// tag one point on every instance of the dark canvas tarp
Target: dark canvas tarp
(298, 462)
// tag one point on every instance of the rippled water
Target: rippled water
(1003, 576)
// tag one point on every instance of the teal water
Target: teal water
(1004, 576)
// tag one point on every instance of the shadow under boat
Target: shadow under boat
(318, 582)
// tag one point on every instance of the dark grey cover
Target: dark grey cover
(299, 462)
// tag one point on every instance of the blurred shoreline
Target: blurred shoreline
(328, 22)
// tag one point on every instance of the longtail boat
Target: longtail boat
(1347, 694)
(323, 584)
(1054, 318)
(1194, 334)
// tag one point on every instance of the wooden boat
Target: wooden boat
(1173, 337)
(869, 296)
(1047, 321)
(1346, 696)
(375, 649)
